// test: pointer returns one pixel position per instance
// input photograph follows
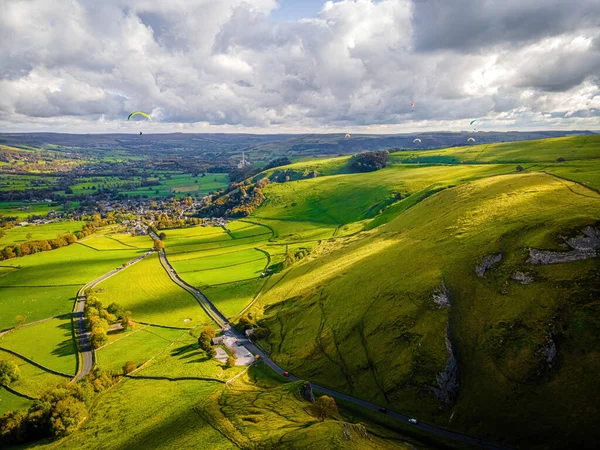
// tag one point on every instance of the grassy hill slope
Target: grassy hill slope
(368, 315)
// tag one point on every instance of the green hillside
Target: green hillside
(360, 314)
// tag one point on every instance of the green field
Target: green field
(45, 284)
(146, 290)
(12, 402)
(33, 380)
(49, 343)
(18, 235)
(186, 359)
(142, 414)
(139, 347)
(226, 266)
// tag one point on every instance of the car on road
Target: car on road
(383, 410)
(413, 421)
(286, 374)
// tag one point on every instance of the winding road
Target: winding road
(228, 330)
(83, 335)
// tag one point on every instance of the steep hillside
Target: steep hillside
(446, 313)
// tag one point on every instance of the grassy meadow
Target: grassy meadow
(146, 290)
(48, 343)
(45, 284)
(18, 235)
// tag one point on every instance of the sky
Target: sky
(299, 66)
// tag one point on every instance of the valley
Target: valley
(455, 287)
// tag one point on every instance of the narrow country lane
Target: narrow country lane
(228, 330)
(83, 336)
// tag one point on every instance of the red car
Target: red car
(286, 374)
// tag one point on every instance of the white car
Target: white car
(413, 421)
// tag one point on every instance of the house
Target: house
(217, 340)
(23, 224)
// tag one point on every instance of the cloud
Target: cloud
(357, 64)
(474, 25)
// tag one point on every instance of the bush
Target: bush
(66, 416)
(129, 367)
(561, 159)
(230, 361)
(9, 372)
(520, 168)
(259, 333)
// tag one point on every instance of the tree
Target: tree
(325, 407)
(210, 331)
(162, 236)
(259, 333)
(67, 414)
(561, 159)
(158, 245)
(28, 236)
(129, 367)
(9, 372)
(126, 321)
(19, 320)
(211, 353)
(520, 168)
(205, 341)
(116, 310)
(230, 361)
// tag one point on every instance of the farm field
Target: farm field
(56, 350)
(139, 347)
(12, 402)
(224, 265)
(139, 414)
(146, 290)
(186, 359)
(33, 380)
(17, 235)
(23, 210)
(45, 284)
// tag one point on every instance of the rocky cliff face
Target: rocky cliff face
(447, 388)
(306, 392)
(583, 246)
(487, 262)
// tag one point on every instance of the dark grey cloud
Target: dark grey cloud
(473, 25)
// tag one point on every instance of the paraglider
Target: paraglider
(417, 140)
(470, 140)
(473, 121)
(412, 106)
(347, 136)
(140, 113)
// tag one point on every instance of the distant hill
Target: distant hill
(263, 147)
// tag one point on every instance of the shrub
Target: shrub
(520, 168)
(9, 372)
(129, 367)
